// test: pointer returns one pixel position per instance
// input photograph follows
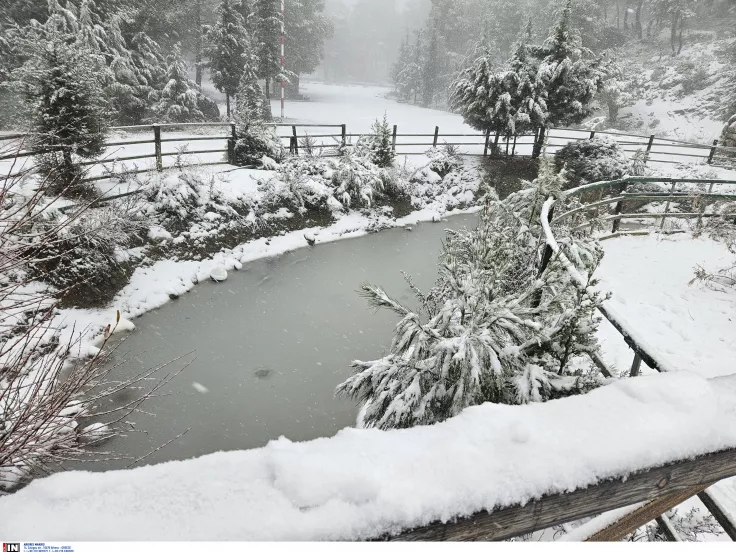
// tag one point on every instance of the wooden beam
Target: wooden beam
(641, 516)
(679, 478)
(726, 519)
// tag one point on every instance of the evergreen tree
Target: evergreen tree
(266, 40)
(226, 50)
(177, 102)
(530, 94)
(400, 64)
(676, 12)
(65, 104)
(431, 71)
(252, 105)
(307, 29)
(491, 329)
(615, 92)
(378, 147)
(569, 74)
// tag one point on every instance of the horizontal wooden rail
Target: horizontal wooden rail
(555, 509)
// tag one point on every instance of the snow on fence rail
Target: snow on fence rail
(657, 150)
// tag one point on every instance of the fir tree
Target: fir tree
(569, 74)
(266, 40)
(491, 329)
(307, 29)
(252, 105)
(615, 91)
(177, 102)
(226, 50)
(431, 71)
(378, 146)
(401, 62)
(65, 104)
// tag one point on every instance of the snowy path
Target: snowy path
(692, 326)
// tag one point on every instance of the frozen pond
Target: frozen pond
(270, 345)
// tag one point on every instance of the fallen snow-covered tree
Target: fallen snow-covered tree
(492, 328)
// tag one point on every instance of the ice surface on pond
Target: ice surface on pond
(269, 345)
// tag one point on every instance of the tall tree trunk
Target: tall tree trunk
(650, 26)
(673, 32)
(618, 15)
(626, 16)
(639, 29)
(227, 100)
(539, 143)
(268, 88)
(682, 29)
(198, 42)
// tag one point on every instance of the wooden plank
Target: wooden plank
(668, 529)
(643, 515)
(726, 519)
(678, 479)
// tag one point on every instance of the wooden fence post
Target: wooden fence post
(649, 149)
(635, 366)
(296, 139)
(619, 209)
(592, 134)
(157, 146)
(393, 139)
(436, 136)
(712, 151)
(667, 205)
(231, 144)
(344, 134)
(701, 210)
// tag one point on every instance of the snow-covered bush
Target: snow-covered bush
(86, 260)
(444, 177)
(593, 160)
(256, 141)
(357, 181)
(181, 198)
(491, 329)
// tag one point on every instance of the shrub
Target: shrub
(87, 258)
(208, 107)
(592, 160)
(256, 142)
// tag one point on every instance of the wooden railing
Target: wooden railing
(658, 489)
(657, 150)
(618, 196)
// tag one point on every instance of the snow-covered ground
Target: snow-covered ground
(691, 326)
(366, 483)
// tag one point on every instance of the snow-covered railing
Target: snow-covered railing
(618, 197)
(492, 472)
(657, 150)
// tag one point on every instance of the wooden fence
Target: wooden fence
(657, 150)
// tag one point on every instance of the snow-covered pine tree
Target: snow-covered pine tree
(266, 41)
(530, 94)
(378, 147)
(615, 92)
(177, 102)
(226, 49)
(307, 29)
(65, 103)
(569, 73)
(397, 68)
(431, 70)
(491, 329)
(251, 103)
